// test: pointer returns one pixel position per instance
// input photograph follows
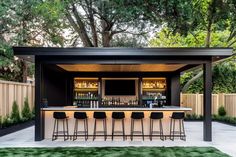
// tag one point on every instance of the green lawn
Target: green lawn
(113, 152)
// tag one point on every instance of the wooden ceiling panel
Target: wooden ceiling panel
(121, 68)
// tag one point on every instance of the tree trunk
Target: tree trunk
(208, 36)
(24, 43)
(106, 39)
(24, 71)
(193, 79)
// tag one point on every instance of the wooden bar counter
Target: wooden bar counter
(69, 110)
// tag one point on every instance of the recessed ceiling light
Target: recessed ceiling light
(28, 57)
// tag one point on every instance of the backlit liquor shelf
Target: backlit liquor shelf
(85, 92)
(119, 92)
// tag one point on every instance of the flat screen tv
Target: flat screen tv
(119, 87)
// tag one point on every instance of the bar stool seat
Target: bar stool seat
(156, 116)
(177, 116)
(118, 116)
(80, 116)
(134, 117)
(60, 116)
(100, 116)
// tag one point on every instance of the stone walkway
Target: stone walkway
(224, 138)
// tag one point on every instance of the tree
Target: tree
(166, 38)
(209, 16)
(94, 23)
(18, 27)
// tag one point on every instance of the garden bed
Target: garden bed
(16, 127)
(221, 119)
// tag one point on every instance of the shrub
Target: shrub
(221, 111)
(225, 119)
(193, 117)
(26, 113)
(6, 122)
(15, 114)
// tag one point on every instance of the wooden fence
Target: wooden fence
(195, 101)
(10, 91)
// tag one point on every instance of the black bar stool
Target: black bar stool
(118, 116)
(60, 116)
(134, 117)
(80, 116)
(177, 116)
(158, 116)
(100, 116)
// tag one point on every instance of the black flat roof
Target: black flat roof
(28, 53)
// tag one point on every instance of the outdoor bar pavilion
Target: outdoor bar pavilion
(93, 79)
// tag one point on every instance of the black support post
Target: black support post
(39, 121)
(207, 126)
(100, 91)
(175, 89)
(140, 80)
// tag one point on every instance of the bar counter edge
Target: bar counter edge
(72, 108)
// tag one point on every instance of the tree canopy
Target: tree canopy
(104, 23)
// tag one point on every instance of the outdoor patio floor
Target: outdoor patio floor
(224, 137)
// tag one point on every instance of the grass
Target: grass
(113, 152)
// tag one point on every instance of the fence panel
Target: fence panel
(10, 91)
(195, 101)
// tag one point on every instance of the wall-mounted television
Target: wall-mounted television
(119, 87)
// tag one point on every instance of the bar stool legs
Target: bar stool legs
(161, 134)
(132, 131)
(132, 127)
(118, 116)
(179, 117)
(102, 117)
(104, 129)
(85, 121)
(57, 133)
(113, 129)
(156, 116)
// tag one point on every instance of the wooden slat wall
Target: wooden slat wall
(10, 91)
(195, 101)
